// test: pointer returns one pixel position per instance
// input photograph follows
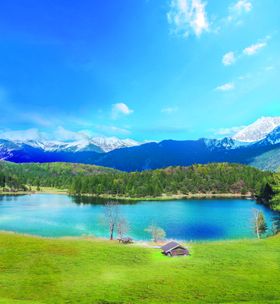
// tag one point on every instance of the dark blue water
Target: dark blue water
(62, 215)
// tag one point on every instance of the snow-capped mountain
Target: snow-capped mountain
(6, 148)
(129, 155)
(226, 143)
(111, 143)
(273, 138)
(97, 144)
(257, 130)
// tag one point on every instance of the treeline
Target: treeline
(212, 178)
(79, 179)
(10, 183)
(57, 175)
(270, 192)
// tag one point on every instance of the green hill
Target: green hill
(215, 178)
(50, 174)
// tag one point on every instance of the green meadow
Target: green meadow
(41, 270)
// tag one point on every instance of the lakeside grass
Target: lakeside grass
(33, 190)
(164, 197)
(167, 197)
(44, 270)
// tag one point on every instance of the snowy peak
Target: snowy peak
(97, 144)
(258, 130)
(272, 138)
(108, 144)
(226, 143)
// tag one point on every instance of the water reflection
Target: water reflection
(61, 215)
(91, 200)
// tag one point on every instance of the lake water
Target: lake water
(62, 215)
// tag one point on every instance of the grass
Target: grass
(168, 197)
(164, 197)
(33, 189)
(39, 270)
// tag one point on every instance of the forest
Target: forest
(80, 179)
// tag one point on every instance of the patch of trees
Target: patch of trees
(211, 178)
(57, 175)
(270, 192)
(10, 183)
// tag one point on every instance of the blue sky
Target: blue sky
(144, 69)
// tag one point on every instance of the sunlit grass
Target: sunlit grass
(38, 270)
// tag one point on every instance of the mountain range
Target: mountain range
(257, 145)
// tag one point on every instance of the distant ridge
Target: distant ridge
(263, 154)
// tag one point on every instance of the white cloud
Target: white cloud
(254, 48)
(169, 110)
(66, 135)
(237, 10)
(226, 87)
(29, 134)
(229, 58)
(245, 76)
(243, 6)
(36, 119)
(269, 68)
(61, 134)
(188, 17)
(112, 130)
(120, 109)
(229, 131)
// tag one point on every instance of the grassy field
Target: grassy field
(37, 270)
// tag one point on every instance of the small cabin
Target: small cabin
(174, 249)
(125, 240)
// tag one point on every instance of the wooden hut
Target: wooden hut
(125, 240)
(174, 249)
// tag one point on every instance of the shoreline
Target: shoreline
(127, 198)
(173, 197)
(144, 243)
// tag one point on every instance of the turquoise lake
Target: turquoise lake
(196, 220)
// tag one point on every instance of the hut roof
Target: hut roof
(171, 245)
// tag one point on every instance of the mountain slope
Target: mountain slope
(268, 160)
(179, 153)
(258, 130)
(262, 154)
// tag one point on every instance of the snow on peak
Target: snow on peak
(111, 143)
(257, 130)
(95, 144)
(272, 138)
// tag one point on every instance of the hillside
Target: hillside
(94, 271)
(212, 178)
(268, 160)
(50, 174)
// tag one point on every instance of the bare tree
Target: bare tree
(259, 223)
(156, 232)
(122, 227)
(111, 216)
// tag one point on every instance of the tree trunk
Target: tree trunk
(112, 232)
(258, 233)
